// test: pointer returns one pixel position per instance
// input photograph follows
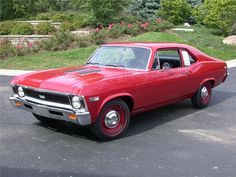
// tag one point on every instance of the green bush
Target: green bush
(6, 49)
(164, 25)
(21, 28)
(44, 28)
(82, 41)
(98, 36)
(67, 26)
(219, 14)
(116, 30)
(77, 24)
(59, 41)
(6, 27)
(175, 11)
(126, 19)
(133, 29)
(43, 16)
(60, 17)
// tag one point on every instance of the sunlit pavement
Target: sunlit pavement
(176, 140)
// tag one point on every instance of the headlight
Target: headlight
(76, 102)
(21, 92)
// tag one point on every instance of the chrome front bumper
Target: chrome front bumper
(51, 110)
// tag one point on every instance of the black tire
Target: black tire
(199, 100)
(115, 126)
(43, 119)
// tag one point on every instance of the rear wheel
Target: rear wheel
(113, 120)
(202, 97)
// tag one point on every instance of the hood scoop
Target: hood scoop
(83, 71)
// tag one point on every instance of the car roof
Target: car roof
(153, 45)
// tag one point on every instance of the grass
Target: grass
(202, 38)
(209, 42)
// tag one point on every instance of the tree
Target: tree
(195, 2)
(219, 14)
(145, 9)
(103, 11)
(11, 9)
(175, 11)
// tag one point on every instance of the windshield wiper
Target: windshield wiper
(115, 65)
(91, 63)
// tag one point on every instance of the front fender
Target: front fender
(109, 98)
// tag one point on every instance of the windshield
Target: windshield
(121, 56)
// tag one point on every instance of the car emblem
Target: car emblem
(42, 96)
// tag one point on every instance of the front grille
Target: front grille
(47, 96)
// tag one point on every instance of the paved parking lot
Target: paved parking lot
(177, 140)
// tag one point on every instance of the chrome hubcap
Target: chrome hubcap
(112, 119)
(204, 93)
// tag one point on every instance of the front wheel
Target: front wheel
(202, 97)
(113, 120)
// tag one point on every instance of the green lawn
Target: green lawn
(200, 38)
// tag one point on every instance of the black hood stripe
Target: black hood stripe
(88, 72)
(73, 70)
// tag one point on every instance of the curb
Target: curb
(9, 72)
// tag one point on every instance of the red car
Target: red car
(117, 81)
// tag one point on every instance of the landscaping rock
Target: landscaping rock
(231, 40)
(187, 25)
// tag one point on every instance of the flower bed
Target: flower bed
(64, 40)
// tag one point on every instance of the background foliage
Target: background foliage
(145, 9)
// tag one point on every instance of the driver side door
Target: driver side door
(169, 78)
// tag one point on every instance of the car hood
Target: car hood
(68, 80)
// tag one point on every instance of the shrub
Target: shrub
(6, 27)
(44, 28)
(145, 9)
(67, 26)
(164, 25)
(60, 17)
(82, 41)
(43, 16)
(175, 11)
(159, 25)
(98, 36)
(21, 28)
(133, 29)
(116, 30)
(126, 19)
(60, 40)
(6, 49)
(219, 14)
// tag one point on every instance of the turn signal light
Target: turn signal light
(72, 116)
(17, 103)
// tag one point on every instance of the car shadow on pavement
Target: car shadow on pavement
(144, 121)
(23, 172)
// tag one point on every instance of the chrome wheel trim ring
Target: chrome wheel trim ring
(204, 93)
(112, 119)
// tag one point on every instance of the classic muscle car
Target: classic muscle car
(117, 81)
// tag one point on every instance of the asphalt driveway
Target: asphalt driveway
(177, 140)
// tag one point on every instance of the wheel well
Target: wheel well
(128, 100)
(212, 83)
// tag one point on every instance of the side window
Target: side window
(188, 59)
(169, 58)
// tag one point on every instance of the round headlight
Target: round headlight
(76, 102)
(21, 92)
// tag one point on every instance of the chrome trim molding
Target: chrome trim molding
(42, 90)
(51, 110)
